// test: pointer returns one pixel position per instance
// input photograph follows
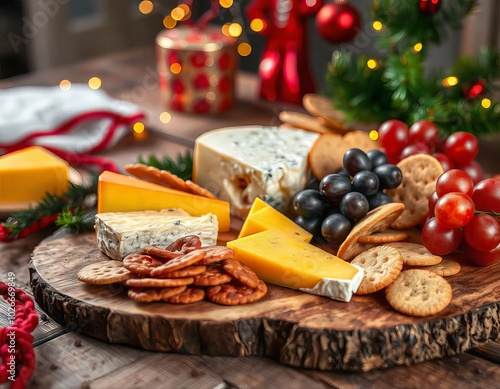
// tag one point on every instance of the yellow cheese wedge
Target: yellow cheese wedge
(257, 205)
(266, 218)
(120, 193)
(29, 174)
(280, 259)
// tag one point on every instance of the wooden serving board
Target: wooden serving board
(297, 329)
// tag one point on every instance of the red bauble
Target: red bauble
(338, 22)
(429, 7)
(475, 90)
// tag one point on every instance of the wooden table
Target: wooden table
(68, 359)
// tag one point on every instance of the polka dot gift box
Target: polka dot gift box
(196, 69)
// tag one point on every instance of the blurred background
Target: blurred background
(37, 34)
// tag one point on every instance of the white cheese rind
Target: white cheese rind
(123, 233)
(239, 164)
(336, 289)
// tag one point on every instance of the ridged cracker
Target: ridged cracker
(181, 262)
(189, 296)
(446, 268)
(241, 272)
(158, 282)
(104, 273)
(381, 265)
(415, 254)
(418, 292)
(157, 176)
(140, 263)
(236, 293)
(146, 295)
(378, 219)
(215, 275)
(420, 173)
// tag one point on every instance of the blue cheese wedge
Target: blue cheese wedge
(122, 233)
(239, 164)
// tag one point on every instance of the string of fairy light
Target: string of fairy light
(182, 13)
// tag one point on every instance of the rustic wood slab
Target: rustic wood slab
(296, 329)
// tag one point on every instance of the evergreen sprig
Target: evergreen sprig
(397, 88)
(49, 208)
(181, 166)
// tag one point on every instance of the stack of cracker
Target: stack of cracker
(183, 273)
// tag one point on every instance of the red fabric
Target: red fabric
(16, 342)
(75, 158)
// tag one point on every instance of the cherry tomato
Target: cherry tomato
(483, 232)
(486, 195)
(482, 258)
(461, 147)
(454, 210)
(454, 180)
(440, 240)
(474, 170)
(393, 136)
(444, 161)
(424, 131)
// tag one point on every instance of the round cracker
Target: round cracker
(104, 273)
(326, 154)
(445, 268)
(381, 265)
(418, 292)
(195, 189)
(420, 173)
(322, 107)
(386, 236)
(189, 296)
(302, 121)
(378, 219)
(360, 140)
(415, 254)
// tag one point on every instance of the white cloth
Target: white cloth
(75, 120)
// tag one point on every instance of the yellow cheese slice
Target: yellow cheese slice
(29, 174)
(121, 193)
(280, 259)
(267, 218)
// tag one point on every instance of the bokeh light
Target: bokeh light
(418, 47)
(95, 83)
(257, 25)
(371, 63)
(486, 103)
(377, 26)
(169, 22)
(165, 117)
(373, 135)
(139, 127)
(146, 7)
(244, 49)
(450, 81)
(65, 85)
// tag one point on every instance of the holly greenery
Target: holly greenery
(394, 86)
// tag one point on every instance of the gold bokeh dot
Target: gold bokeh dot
(95, 83)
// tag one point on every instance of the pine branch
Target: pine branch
(76, 220)
(181, 166)
(22, 223)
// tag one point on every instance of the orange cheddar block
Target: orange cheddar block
(121, 193)
(28, 175)
(267, 218)
(281, 259)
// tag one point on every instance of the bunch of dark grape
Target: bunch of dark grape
(329, 208)
(464, 215)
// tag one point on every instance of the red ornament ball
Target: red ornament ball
(475, 90)
(429, 7)
(338, 22)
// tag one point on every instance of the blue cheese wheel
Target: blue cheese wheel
(239, 164)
